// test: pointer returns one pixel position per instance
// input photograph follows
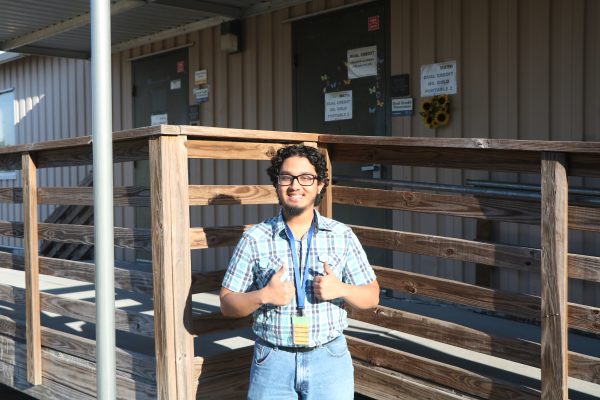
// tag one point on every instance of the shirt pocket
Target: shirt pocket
(335, 262)
(266, 268)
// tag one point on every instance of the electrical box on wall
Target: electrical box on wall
(231, 36)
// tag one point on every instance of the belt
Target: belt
(294, 349)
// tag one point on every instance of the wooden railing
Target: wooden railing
(175, 372)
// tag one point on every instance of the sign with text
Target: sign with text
(338, 105)
(402, 106)
(362, 62)
(438, 79)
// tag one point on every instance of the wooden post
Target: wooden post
(554, 277)
(326, 206)
(171, 264)
(32, 287)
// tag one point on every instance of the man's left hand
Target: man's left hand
(328, 286)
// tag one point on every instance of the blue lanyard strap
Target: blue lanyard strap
(300, 285)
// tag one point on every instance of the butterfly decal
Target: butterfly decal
(372, 89)
(379, 103)
(371, 110)
(347, 82)
(324, 77)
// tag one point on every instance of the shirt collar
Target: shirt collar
(279, 226)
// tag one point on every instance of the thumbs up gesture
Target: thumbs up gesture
(280, 290)
(328, 286)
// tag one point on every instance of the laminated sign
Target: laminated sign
(362, 62)
(338, 105)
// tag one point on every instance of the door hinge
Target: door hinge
(134, 91)
(295, 60)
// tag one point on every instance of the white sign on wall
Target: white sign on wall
(438, 79)
(338, 105)
(362, 62)
(158, 119)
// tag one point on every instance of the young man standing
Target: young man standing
(294, 272)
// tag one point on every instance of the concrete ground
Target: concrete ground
(216, 343)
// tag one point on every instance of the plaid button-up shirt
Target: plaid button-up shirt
(264, 248)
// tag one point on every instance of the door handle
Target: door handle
(376, 168)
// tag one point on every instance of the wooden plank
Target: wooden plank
(207, 281)
(11, 195)
(202, 238)
(128, 361)
(380, 383)
(246, 134)
(127, 196)
(222, 150)
(217, 365)
(16, 377)
(554, 277)
(133, 280)
(483, 208)
(518, 350)
(132, 150)
(203, 195)
(81, 310)
(439, 157)
(520, 258)
(326, 206)
(32, 271)
(511, 303)
(475, 144)
(231, 385)
(437, 372)
(216, 322)
(80, 374)
(174, 344)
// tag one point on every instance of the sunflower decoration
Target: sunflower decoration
(435, 111)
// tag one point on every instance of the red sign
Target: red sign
(373, 23)
(180, 67)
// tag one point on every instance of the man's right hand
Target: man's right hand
(278, 292)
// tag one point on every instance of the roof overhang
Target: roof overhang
(62, 27)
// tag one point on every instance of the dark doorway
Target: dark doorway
(340, 87)
(160, 96)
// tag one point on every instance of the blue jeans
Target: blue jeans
(325, 373)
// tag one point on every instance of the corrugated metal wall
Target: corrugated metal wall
(526, 70)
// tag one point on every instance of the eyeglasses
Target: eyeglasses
(303, 180)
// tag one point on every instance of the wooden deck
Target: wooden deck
(171, 357)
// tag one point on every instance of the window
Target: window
(7, 125)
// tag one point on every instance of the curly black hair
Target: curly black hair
(313, 155)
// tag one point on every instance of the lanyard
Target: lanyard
(300, 286)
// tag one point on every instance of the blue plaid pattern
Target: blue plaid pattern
(264, 248)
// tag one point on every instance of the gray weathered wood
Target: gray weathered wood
(554, 277)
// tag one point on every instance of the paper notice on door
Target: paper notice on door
(338, 105)
(158, 119)
(362, 62)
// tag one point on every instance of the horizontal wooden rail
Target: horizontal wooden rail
(203, 238)
(226, 150)
(206, 281)
(220, 364)
(216, 322)
(381, 383)
(203, 195)
(480, 207)
(500, 255)
(581, 366)
(82, 310)
(438, 372)
(128, 361)
(132, 280)
(123, 196)
(81, 234)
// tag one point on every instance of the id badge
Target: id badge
(301, 328)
